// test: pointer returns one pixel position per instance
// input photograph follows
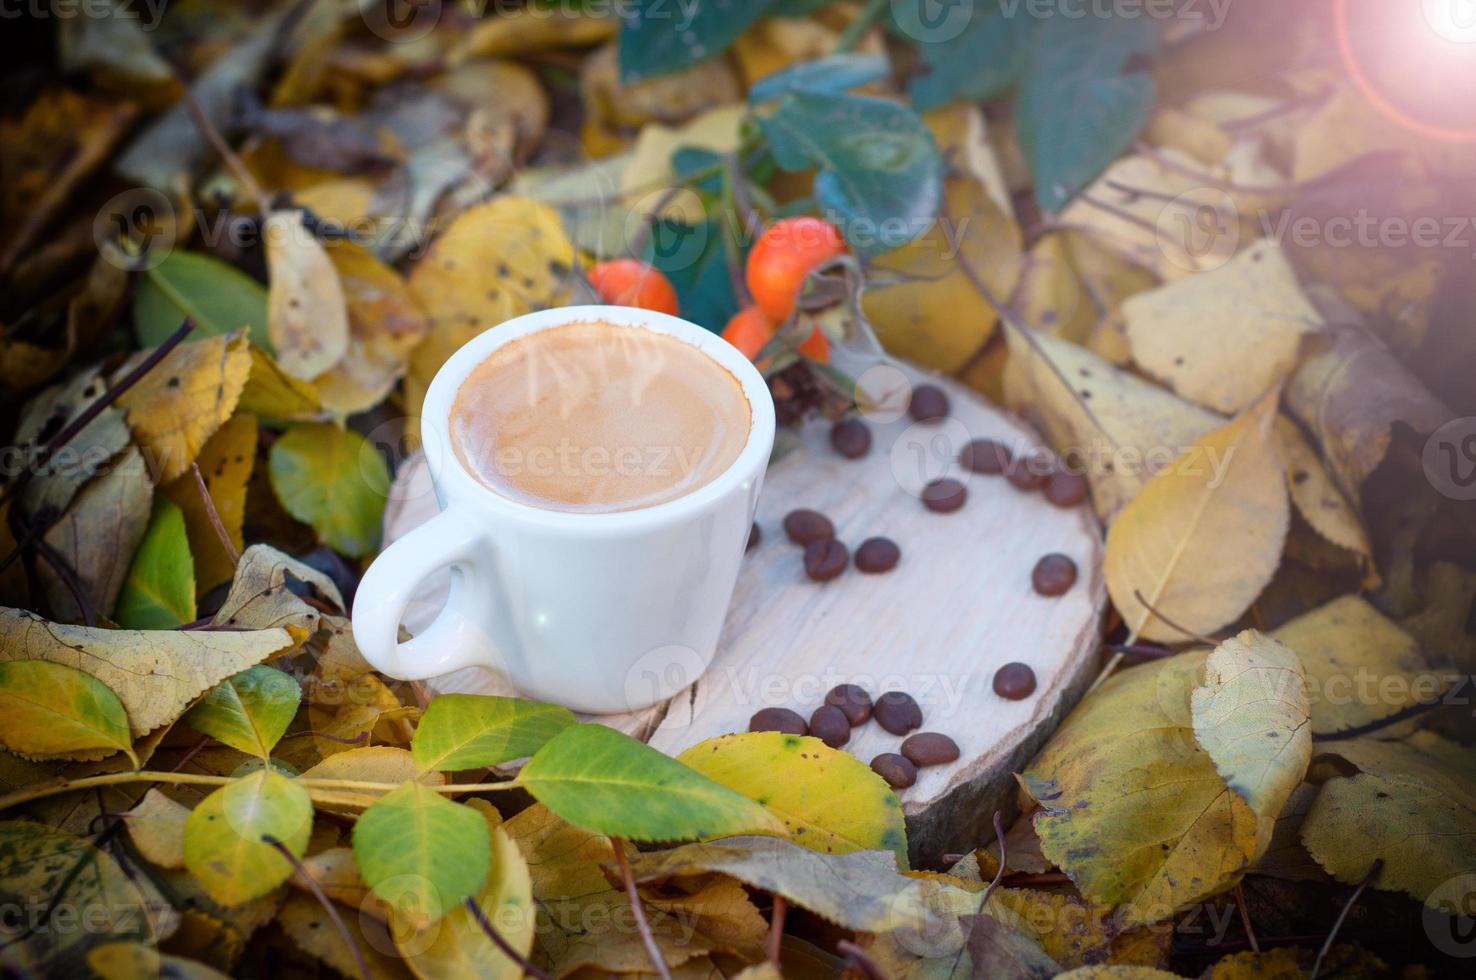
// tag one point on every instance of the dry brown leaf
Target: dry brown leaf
(156, 828)
(307, 314)
(262, 594)
(155, 673)
(1318, 499)
(315, 933)
(337, 874)
(1205, 536)
(98, 534)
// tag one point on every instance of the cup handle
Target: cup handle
(453, 640)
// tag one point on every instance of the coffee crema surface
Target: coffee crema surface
(592, 417)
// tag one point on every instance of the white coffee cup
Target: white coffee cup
(600, 612)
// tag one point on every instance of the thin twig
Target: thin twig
(776, 928)
(1352, 899)
(1402, 714)
(1138, 594)
(642, 926)
(1138, 650)
(112, 394)
(222, 148)
(856, 957)
(323, 900)
(486, 924)
(999, 835)
(64, 571)
(214, 515)
(1245, 917)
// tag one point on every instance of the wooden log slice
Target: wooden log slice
(957, 606)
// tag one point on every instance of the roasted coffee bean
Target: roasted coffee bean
(804, 526)
(985, 456)
(928, 403)
(754, 536)
(877, 555)
(1065, 489)
(944, 496)
(825, 559)
(830, 725)
(778, 720)
(852, 700)
(1054, 575)
(1027, 473)
(929, 749)
(897, 712)
(1014, 681)
(895, 769)
(851, 438)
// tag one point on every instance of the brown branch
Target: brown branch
(1245, 917)
(1138, 650)
(856, 957)
(64, 571)
(214, 515)
(998, 874)
(323, 899)
(1353, 898)
(222, 149)
(112, 394)
(522, 961)
(1138, 594)
(776, 928)
(642, 926)
(1403, 714)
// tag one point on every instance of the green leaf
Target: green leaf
(470, 731)
(50, 710)
(220, 298)
(421, 853)
(659, 36)
(1077, 111)
(880, 174)
(225, 837)
(981, 62)
(602, 780)
(333, 479)
(830, 75)
(249, 711)
(694, 259)
(159, 592)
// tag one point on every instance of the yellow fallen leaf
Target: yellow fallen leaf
(1251, 715)
(1124, 429)
(1222, 338)
(495, 261)
(385, 324)
(1050, 297)
(139, 961)
(156, 828)
(1205, 535)
(370, 764)
(155, 673)
(307, 314)
(922, 304)
(178, 405)
(1360, 666)
(963, 138)
(1412, 803)
(335, 872)
(1073, 932)
(648, 176)
(612, 104)
(261, 595)
(828, 799)
(1283, 963)
(1325, 507)
(523, 30)
(225, 463)
(271, 393)
(1134, 811)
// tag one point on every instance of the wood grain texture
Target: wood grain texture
(957, 607)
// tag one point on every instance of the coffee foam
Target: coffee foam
(592, 417)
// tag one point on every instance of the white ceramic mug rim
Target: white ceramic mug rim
(446, 464)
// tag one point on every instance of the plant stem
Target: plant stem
(214, 515)
(497, 938)
(642, 926)
(317, 890)
(851, 36)
(1245, 917)
(1138, 594)
(856, 957)
(1352, 899)
(999, 874)
(43, 790)
(776, 928)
